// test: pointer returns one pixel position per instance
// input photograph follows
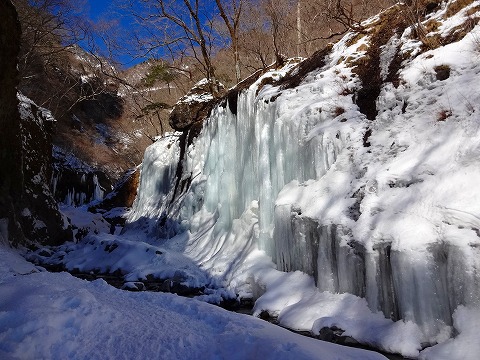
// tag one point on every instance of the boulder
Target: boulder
(196, 105)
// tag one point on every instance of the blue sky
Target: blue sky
(98, 8)
(105, 9)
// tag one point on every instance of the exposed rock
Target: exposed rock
(335, 335)
(116, 203)
(196, 105)
(124, 192)
(295, 77)
(134, 286)
(40, 218)
(442, 72)
(26, 204)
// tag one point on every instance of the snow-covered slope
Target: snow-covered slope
(375, 198)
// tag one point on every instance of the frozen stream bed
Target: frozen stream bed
(56, 316)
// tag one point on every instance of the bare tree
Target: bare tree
(278, 16)
(48, 28)
(299, 26)
(231, 13)
(181, 28)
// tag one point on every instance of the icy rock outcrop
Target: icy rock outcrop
(196, 105)
(75, 183)
(28, 211)
(40, 216)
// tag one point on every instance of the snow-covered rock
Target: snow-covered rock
(196, 105)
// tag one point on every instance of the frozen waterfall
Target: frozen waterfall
(282, 175)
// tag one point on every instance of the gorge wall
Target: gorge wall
(28, 212)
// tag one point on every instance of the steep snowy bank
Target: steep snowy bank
(386, 210)
(56, 316)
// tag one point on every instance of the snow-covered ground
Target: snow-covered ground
(56, 316)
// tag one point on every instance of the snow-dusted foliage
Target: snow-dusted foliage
(381, 212)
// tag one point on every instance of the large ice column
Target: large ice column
(156, 187)
(430, 283)
(296, 242)
(379, 282)
(98, 191)
(462, 274)
(251, 155)
(421, 288)
(303, 244)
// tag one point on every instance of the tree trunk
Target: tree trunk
(299, 28)
(238, 75)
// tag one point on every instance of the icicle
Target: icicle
(98, 191)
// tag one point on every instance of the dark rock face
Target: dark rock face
(11, 179)
(103, 106)
(78, 188)
(294, 78)
(124, 192)
(27, 208)
(196, 105)
(442, 72)
(120, 199)
(39, 215)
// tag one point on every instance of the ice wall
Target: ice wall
(421, 285)
(239, 158)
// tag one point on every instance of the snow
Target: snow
(82, 220)
(26, 111)
(199, 93)
(299, 306)
(55, 316)
(465, 345)
(286, 204)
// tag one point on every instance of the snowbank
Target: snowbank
(56, 316)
